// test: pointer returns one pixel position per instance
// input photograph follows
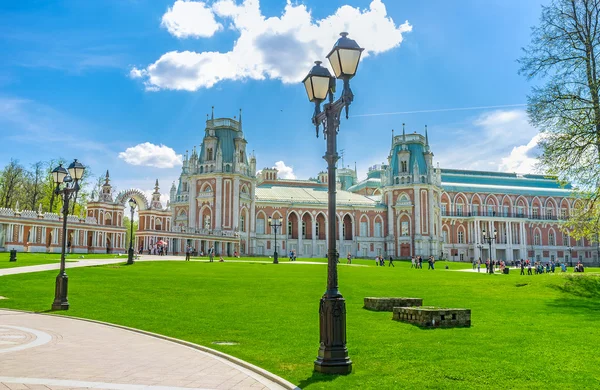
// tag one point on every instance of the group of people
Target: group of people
(532, 267)
(211, 254)
(292, 255)
(160, 250)
(380, 261)
(417, 262)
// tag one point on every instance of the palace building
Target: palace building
(404, 207)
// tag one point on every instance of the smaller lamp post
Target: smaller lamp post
(70, 180)
(489, 239)
(275, 223)
(571, 255)
(132, 206)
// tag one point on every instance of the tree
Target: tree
(563, 53)
(11, 183)
(34, 184)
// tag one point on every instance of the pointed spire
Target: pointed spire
(212, 115)
(392, 135)
(107, 178)
(355, 171)
(156, 187)
(403, 134)
(240, 119)
(426, 137)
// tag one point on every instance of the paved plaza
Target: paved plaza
(53, 352)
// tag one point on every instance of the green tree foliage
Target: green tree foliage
(563, 54)
(127, 224)
(35, 187)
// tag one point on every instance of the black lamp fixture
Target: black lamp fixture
(132, 207)
(320, 85)
(67, 186)
(489, 239)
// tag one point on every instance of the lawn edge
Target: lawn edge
(267, 374)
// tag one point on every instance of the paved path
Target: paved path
(54, 352)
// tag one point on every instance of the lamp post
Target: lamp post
(275, 223)
(69, 179)
(571, 255)
(489, 238)
(320, 85)
(452, 224)
(132, 206)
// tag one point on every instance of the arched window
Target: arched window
(201, 169)
(551, 238)
(403, 166)
(227, 168)
(536, 239)
(461, 237)
(397, 181)
(243, 223)
(290, 227)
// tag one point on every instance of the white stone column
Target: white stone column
(390, 226)
(218, 203)
(430, 214)
(417, 195)
(300, 248)
(314, 235)
(236, 202)
(193, 204)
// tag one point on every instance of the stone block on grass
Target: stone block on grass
(433, 317)
(388, 303)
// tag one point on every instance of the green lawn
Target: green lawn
(25, 259)
(536, 331)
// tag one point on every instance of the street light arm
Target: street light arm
(332, 110)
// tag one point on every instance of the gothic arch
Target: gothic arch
(494, 199)
(551, 200)
(365, 218)
(206, 187)
(460, 195)
(402, 198)
(510, 202)
(379, 218)
(137, 195)
(205, 211)
(522, 201)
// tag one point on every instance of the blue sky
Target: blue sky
(90, 79)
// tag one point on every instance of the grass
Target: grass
(536, 331)
(25, 259)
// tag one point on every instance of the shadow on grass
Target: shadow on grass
(581, 286)
(316, 377)
(581, 294)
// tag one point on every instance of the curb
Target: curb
(251, 367)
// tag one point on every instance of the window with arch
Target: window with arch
(549, 213)
(289, 230)
(378, 230)
(490, 210)
(461, 237)
(260, 226)
(227, 168)
(443, 208)
(422, 179)
(403, 166)
(565, 239)
(201, 169)
(397, 181)
(459, 209)
(241, 156)
(243, 223)
(536, 238)
(209, 154)
(445, 236)
(551, 238)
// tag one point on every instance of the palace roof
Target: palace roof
(310, 195)
(455, 180)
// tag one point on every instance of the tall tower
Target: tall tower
(217, 184)
(412, 190)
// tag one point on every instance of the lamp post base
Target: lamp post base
(275, 258)
(333, 354)
(130, 256)
(60, 292)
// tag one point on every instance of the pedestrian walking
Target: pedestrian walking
(391, 263)
(187, 253)
(522, 268)
(349, 257)
(211, 253)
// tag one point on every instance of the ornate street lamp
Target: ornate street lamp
(132, 206)
(320, 85)
(69, 179)
(489, 238)
(275, 223)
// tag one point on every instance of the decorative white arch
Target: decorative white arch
(365, 218)
(493, 197)
(137, 195)
(524, 199)
(200, 222)
(206, 187)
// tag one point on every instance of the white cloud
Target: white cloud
(282, 48)
(190, 19)
(147, 154)
(501, 140)
(523, 158)
(284, 172)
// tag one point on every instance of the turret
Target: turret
(106, 195)
(173, 193)
(156, 204)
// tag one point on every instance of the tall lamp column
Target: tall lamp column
(69, 179)
(132, 206)
(489, 238)
(275, 223)
(320, 86)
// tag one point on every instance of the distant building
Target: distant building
(404, 207)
